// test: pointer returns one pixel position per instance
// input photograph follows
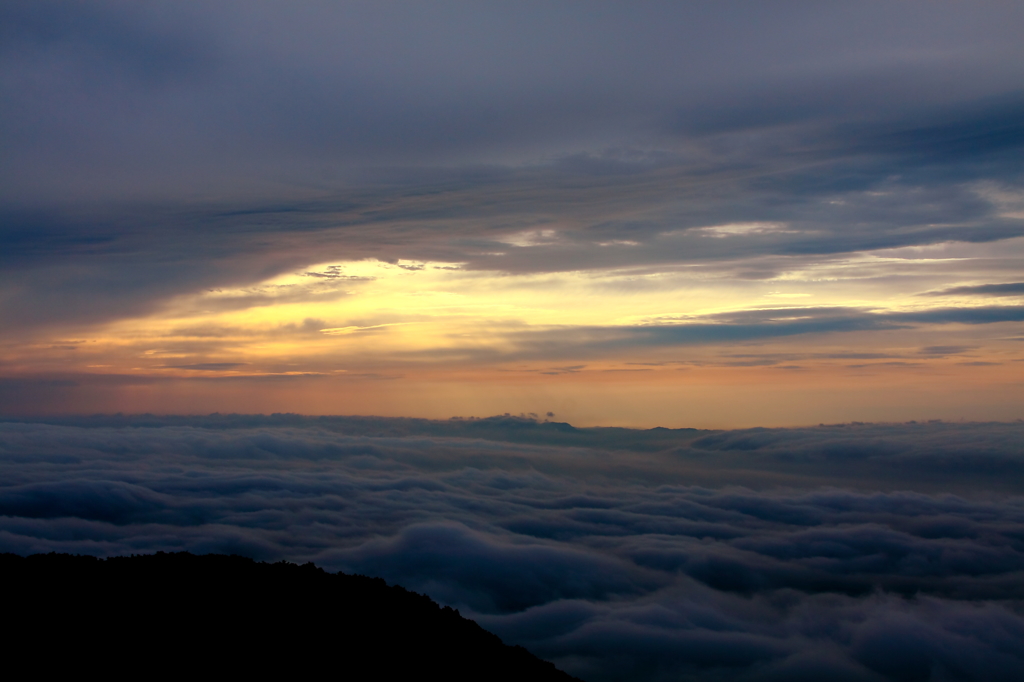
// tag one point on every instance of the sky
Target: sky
(707, 214)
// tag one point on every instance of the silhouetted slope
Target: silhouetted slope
(230, 615)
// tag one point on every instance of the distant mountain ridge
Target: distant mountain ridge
(187, 614)
(526, 429)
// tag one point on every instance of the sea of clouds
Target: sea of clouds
(783, 554)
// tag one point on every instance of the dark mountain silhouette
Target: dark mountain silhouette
(229, 615)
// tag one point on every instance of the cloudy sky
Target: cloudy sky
(715, 214)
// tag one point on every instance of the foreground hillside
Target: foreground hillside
(230, 614)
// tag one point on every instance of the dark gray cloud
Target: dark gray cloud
(763, 554)
(1007, 289)
(154, 149)
(747, 325)
(333, 84)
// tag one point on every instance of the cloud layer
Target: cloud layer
(759, 554)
